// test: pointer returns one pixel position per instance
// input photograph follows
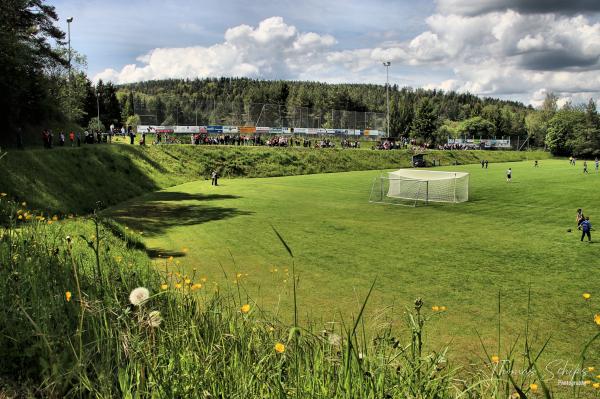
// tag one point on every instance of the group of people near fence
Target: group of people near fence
(48, 138)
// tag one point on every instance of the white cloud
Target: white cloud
(500, 52)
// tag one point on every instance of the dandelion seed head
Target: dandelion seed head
(139, 295)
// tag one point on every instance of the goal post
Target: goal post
(408, 187)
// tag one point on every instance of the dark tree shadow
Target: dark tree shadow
(179, 196)
(155, 218)
(164, 253)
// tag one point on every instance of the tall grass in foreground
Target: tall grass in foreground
(83, 314)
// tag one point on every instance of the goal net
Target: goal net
(409, 186)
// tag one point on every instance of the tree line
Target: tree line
(43, 85)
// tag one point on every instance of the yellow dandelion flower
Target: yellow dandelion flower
(196, 286)
(177, 262)
(495, 359)
(271, 329)
(590, 369)
(245, 308)
(596, 385)
(587, 382)
(164, 286)
(20, 217)
(178, 285)
(275, 270)
(184, 249)
(55, 218)
(28, 216)
(533, 387)
(586, 296)
(435, 308)
(203, 279)
(68, 296)
(170, 259)
(279, 347)
(597, 319)
(187, 281)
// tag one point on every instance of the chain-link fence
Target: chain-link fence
(189, 112)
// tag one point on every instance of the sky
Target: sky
(511, 49)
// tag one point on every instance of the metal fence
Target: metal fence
(186, 111)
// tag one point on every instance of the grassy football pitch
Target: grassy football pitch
(507, 238)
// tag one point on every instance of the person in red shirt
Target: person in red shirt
(72, 138)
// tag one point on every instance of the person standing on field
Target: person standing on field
(486, 163)
(509, 175)
(585, 167)
(535, 164)
(597, 162)
(586, 228)
(214, 177)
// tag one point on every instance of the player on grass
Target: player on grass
(535, 164)
(585, 167)
(585, 228)
(597, 164)
(509, 175)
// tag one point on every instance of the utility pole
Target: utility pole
(98, 107)
(387, 93)
(69, 80)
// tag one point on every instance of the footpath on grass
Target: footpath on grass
(75, 179)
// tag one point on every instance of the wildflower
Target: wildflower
(239, 275)
(271, 329)
(20, 217)
(495, 359)
(170, 259)
(187, 281)
(23, 204)
(279, 347)
(139, 295)
(68, 296)
(196, 286)
(596, 385)
(245, 308)
(27, 216)
(435, 308)
(586, 296)
(203, 279)
(178, 285)
(597, 319)
(184, 249)
(154, 319)
(533, 388)
(141, 233)
(587, 382)
(164, 286)
(54, 218)
(442, 308)
(177, 262)
(118, 259)
(590, 369)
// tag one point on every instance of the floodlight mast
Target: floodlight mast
(387, 64)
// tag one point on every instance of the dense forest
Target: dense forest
(45, 85)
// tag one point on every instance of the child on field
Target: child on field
(585, 228)
(509, 175)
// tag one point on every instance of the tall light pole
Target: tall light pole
(387, 64)
(98, 107)
(69, 20)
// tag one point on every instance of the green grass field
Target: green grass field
(507, 238)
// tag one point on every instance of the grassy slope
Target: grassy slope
(505, 238)
(73, 179)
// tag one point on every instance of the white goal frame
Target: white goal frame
(409, 187)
